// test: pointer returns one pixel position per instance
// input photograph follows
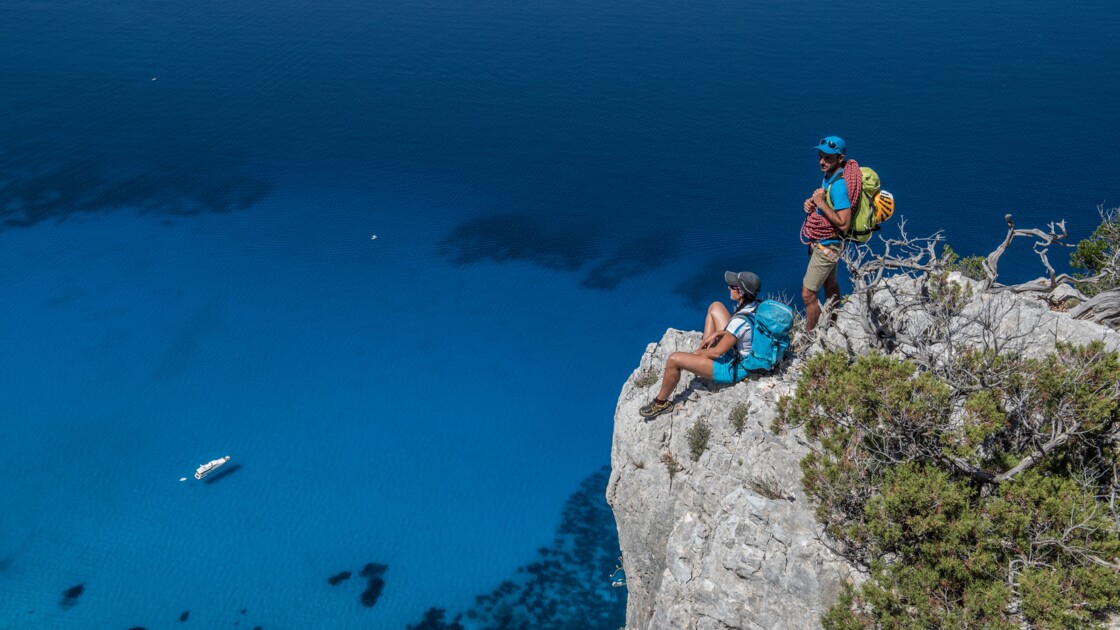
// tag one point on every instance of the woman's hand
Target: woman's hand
(720, 345)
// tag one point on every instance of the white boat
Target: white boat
(210, 467)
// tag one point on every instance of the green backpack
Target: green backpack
(875, 206)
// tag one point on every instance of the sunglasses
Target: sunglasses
(734, 288)
(825, 142)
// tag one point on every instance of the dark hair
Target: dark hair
(746, 299)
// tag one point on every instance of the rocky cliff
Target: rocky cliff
(726, 540)
(714, 527)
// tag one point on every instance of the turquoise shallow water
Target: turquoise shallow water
(357, 440)
(188, 193)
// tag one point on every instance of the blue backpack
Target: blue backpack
(770, 325)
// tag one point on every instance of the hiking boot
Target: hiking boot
(655, 408)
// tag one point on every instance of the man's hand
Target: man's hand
(809, 206)
(820, 198)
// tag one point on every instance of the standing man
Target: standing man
(828, 214)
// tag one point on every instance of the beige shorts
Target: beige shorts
(822, 265)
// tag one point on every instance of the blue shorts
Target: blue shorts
(723, 370)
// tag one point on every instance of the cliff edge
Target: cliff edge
(726, 540)
(714, 527)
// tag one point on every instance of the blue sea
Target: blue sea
(398, 257)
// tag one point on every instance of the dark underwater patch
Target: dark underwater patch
(183, 350)
(569, 583)
(373, 572)
(515, 238)
(375, 583)
(186, 615)
(706, 284)
(70, 596)
(635, 257)
(41, 183)
(433, 620)
(512, 237)
(373, 592)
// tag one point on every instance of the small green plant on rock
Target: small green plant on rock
(738, 417)
(1099, 254)
(946, 298)
(968, 266)
(698, 436)
(671, 464)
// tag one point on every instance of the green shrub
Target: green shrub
(975, 507)
(738, 417)
(698, 436)
(968, 266)
(1098, 253)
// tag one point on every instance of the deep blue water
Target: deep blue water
(188, 191)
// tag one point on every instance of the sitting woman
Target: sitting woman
(726, 338)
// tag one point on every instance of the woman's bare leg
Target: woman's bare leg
(701, 366)
(716, 319)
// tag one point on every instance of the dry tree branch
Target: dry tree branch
(905, 302)
(1055, 237)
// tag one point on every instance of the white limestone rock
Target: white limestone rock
(1026, 322)
(730, 540)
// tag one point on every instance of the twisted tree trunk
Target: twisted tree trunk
(1104, 309)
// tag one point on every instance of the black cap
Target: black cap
(748, 282)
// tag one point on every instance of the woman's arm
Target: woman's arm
(708, 342)
(722, 343)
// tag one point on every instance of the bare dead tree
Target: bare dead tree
(1103, 308)
(925, 313)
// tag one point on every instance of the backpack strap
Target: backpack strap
(737, 362)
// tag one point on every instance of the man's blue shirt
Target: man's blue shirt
(837, 191)
(837, 197)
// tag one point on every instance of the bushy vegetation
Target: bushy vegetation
(1099, 254)
(990, 506)
(968, 266)
(698, 436)
(738, 417)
